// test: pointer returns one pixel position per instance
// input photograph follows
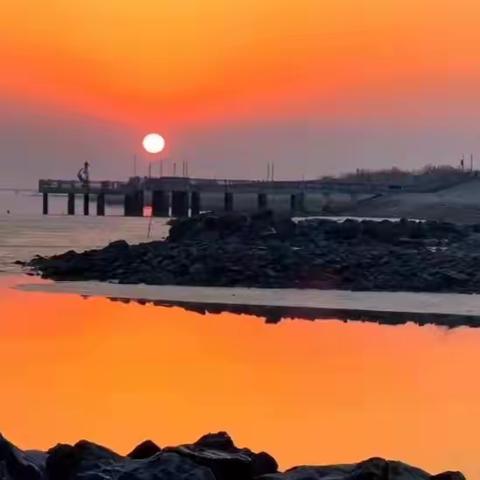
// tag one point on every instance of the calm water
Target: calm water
(24, 232)
(308, 392)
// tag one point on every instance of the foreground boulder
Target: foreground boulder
(212, 457)
(145, 449)
(18, 464)
(448, 476)
(371, 469)
(67, 461)
(218, 452)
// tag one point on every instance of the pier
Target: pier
(182, 196)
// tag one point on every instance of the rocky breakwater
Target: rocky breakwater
(265, 251)
(212, 457)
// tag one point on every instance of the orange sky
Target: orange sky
(341, 83)
(308, 392)
(186, 61)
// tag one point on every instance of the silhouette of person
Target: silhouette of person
(84, 174)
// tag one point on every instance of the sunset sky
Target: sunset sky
(318, 87)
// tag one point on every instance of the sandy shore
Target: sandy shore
(458, 204)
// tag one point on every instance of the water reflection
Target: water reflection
(275, 314)
(308, 392)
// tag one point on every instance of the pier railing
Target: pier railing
(75, 186)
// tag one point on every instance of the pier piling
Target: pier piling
(133, 204)
(293, 202)
(101, 204)
(71, 204)
(86, 204)
(179, 203)
(194, 203)
(45, 203)
(160, 203)
(297, 202)
(127, 205)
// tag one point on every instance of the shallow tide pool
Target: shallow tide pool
(308, 392)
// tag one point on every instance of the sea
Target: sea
(308, 392)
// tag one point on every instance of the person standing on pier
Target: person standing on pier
(84, 174)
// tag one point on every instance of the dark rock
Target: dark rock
(16, 464)
(218, 452)
(117, 245)
(64, 462)
(212, 457)
(263, 463)
(224, 465)
(350, 229)
(157, 467)
(372, 469)
(145, 449)
(211, 227)
(265, 251)
(448, 476)
(216, 441)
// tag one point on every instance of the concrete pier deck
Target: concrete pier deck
(181, 196)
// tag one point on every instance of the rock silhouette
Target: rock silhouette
(265, 251)
(212, 457)
(144, 450)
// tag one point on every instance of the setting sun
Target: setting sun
(153, 143)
